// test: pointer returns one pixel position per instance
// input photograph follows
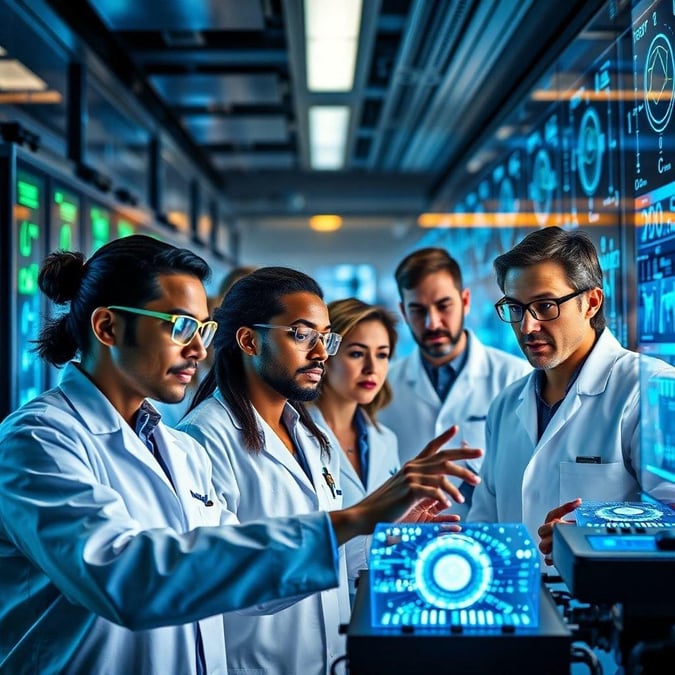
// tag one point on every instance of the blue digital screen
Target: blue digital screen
(624, 543)
(651, 120)
(348, 281)
(651, 130)
(657, 436)
(592, 182)
(544, 183)
(484, 578)
(624, 514)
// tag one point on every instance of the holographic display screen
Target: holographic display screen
(657, 431)
(482, 578)
(654, 60)
(654, 177)
(624, 514)
(654, 193)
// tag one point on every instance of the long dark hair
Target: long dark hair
(123, 272)
(255, 298)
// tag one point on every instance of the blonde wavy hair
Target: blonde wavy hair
(345, 315)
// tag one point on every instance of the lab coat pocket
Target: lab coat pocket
(597, 482)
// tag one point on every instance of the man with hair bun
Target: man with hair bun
(117, 555)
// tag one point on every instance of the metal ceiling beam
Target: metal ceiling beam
(539, 46)
(80, 18)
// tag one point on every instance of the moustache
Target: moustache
(436, 333)
(188, 365)
(314, 366)
(535, 337)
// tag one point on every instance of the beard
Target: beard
(283, 382)
(437, 351)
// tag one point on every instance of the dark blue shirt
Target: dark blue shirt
(545, 411)
(147, 419)
(361, 426)
(443, 377)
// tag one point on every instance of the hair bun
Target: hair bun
(61, 275)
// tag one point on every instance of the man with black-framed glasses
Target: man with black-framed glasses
(269, 457)
(570, 430)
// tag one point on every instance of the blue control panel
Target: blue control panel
(485, 577)
(625, 514)
(622, 543)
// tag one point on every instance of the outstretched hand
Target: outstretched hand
(417, 493)
(545, 532)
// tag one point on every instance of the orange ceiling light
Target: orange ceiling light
(325, 223)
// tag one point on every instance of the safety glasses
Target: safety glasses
(307, 338)
(184, 327)
(545, 309)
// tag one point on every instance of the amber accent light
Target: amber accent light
(325, 223)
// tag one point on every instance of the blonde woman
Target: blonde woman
(353, 389)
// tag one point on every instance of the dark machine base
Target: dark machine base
(406, 650)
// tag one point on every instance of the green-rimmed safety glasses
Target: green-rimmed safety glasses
(184, 327)
(306, 338)
(546, 309)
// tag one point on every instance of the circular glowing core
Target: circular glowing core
(628, 511)
(452, 572)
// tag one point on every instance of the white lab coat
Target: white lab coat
(523, 479)
(304, 638)
(383, 463)
(417, 415)
(97, 549)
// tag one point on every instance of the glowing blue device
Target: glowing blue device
(484, 578)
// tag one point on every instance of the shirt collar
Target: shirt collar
(539, 376)
(146, 421)
(454, 365)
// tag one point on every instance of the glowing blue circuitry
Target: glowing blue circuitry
(625, 514)
(484, 578)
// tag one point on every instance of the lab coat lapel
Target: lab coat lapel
(278, 452)
(348, 473)
(591, 381)
(526, 411)
(132, 444)
(324, 496)
(458, 401)
(419, 382)
(102, 419)
(568, 408)
(176, 459)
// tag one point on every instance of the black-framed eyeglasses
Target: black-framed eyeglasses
(306, 338)
(545, 309)
(184, 327)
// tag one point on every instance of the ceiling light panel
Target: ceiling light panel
(331, 43)
(14, 76)
(328, 126)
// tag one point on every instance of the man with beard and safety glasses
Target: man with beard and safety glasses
(269, 457)
(451, 377)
